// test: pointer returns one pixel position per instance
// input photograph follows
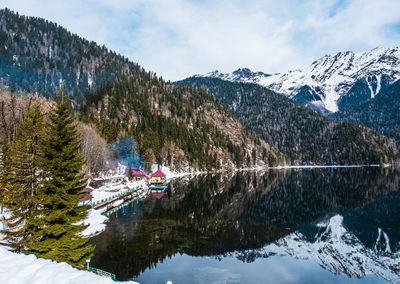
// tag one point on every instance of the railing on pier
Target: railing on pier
(110, 199)
(103, 273)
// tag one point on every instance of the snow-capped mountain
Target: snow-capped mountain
(332, 82)
(336, 249)
(239, 75)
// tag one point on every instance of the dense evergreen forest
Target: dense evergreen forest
(37, 55)
(176, 125)
(381, 113)
(303, 135)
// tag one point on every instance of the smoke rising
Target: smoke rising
(126, 152)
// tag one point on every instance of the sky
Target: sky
(177, 38)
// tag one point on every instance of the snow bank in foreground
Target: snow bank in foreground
(21, 269)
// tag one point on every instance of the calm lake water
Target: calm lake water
(335, 225)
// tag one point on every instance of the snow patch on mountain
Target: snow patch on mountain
(329, 78)
(240, 75)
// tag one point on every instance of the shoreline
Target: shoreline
(97, 220)
(260, 168)
(22, 268)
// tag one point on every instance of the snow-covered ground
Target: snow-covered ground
(23, 269)
(95, 218)
(320, 166)
(170, 174)
(20, 268)
(118, 171)
(96, 221)
(110, 189)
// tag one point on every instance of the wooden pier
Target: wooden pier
(128, 194)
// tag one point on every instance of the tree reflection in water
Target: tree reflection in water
(214, 215)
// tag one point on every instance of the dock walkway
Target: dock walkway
(134, 192)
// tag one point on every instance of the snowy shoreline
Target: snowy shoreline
(22, 269)
(95, 218)
(259, 168)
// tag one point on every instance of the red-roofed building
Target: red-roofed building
(87, 189)
(136, 175)
(158, 177)
(158, 173)
(86, 199)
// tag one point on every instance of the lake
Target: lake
(319, 225)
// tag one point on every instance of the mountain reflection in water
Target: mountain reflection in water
(345, 219)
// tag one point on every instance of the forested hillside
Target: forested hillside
(305, 136)
(38, 56)
(382, 113)
(176, 125)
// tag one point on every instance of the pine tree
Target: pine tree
(24, 177)
(55, 230)
(5, 171)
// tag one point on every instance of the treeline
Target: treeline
(303, 135)
(41, 180)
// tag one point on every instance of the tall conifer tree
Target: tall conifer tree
(24, 177)
(5, 171)
(55, 232)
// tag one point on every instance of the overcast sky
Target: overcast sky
(177, 38)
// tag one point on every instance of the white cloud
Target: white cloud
(179, 38)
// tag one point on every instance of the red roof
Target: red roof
(86, 198)
(86, 190)
(158, 173)
(138, 173)
(135, 172)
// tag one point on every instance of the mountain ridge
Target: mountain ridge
(327, 84)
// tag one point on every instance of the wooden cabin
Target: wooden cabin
(136, 175)
(86, 200)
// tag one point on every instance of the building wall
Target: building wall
(158, 179)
